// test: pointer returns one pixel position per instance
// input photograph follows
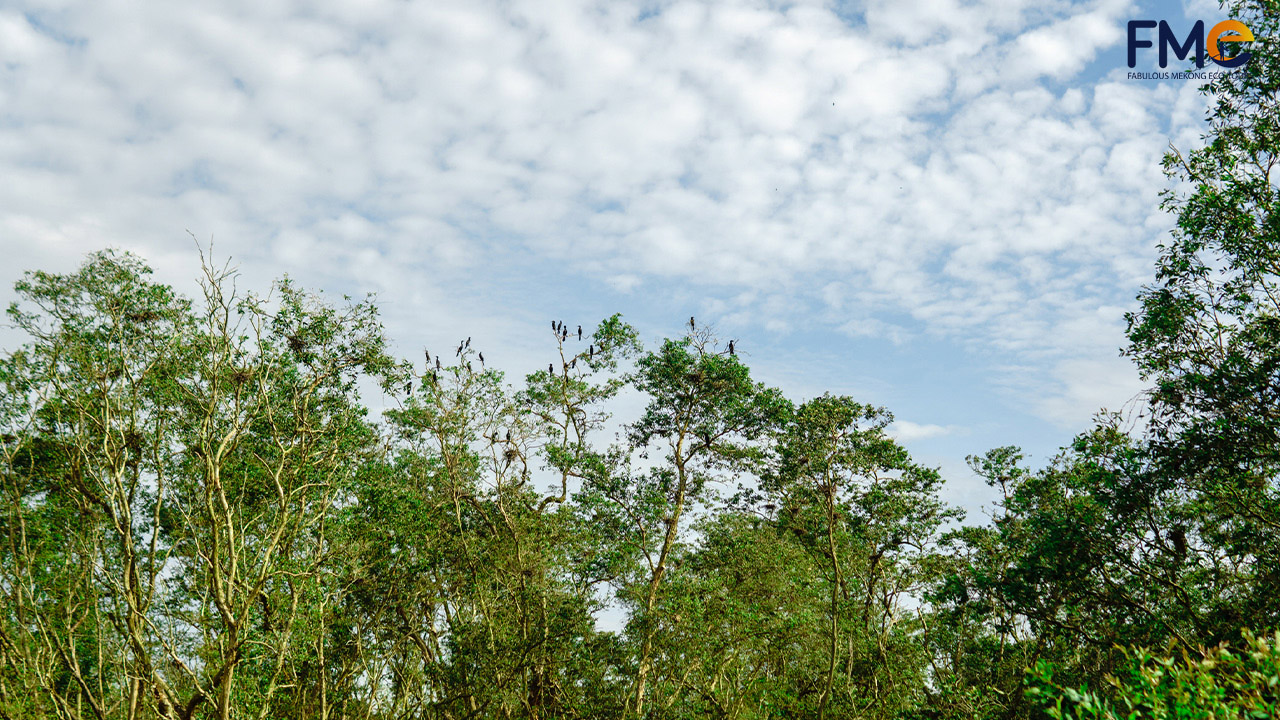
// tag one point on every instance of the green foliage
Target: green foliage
(201, 519)
(1208, 331)
(1214, 684)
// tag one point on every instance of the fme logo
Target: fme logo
(1227, 31)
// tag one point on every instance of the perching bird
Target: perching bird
(437, 362)
(458, 352)
(564, 334)
(579, 332)
(691, 325)
(554, 326)
(550, 370)
(591, 351)
(481, 359)
(731, 347)
(428, 354)
(574, 363)
(468, 341)
(468, 366)
(1179, 537)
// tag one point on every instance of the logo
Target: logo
(1204, 44)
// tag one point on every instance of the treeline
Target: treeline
(200, 518)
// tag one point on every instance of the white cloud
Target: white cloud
(907, 175)
(907, 431)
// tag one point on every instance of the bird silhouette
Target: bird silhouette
(458, 352)
(554, 326)
(574, 363)
(1179, 537)
(550, 369)
(691, 325)
(591, 351)
(468, 341)
(428, 354)
(564, 334)
(579, 332)
(731, 347)
(481, 359)
(437, 362)
(468, 366)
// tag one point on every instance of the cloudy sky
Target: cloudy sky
(940, 206)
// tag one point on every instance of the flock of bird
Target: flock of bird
(558, 327)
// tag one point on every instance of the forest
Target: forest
(200, 516)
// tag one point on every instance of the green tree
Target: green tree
(1207, 334)
(708, 417)
(870, 516)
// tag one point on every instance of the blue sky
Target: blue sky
(942, 207)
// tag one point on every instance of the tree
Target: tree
(707, 413)
(869, 515)
(1207, 334)
(175, 467)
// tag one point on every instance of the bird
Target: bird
(691, 325)
(564, 334)
(408, 388)
(591, 351)
(554, 327)
(481, 359)
(435, 379)
(550, 369)
(468, 366)
(428, 354)
(468, 341)
(579, 332)
(1179, 537)
(731, 347)
(437, 362)
(458, 352)
(574, 363)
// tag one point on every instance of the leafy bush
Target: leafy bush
(1214, 684)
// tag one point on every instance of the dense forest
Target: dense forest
(200, 517)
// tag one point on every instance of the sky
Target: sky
(941, 207)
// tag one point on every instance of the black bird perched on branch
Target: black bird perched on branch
(1179, 537)
(458, 352)
(574, 363)
(468, 366)
(579, 332)
(437, 362)
(468, 341)
(428, 354)
(591, 351)
(481, 359)
(564, 334)
(731, 347)
(555, 326)
(691, 325)
(550, 369)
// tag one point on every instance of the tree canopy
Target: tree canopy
(201, 517)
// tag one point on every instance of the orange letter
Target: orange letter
(1241, 34)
